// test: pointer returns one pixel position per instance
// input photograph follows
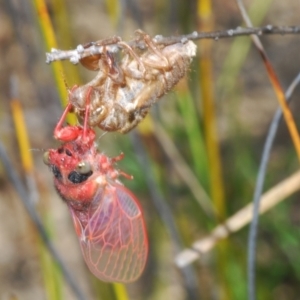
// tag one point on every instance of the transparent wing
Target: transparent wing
(112, 235)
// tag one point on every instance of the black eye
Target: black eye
(76, 177)
(60, 150)
(56, 172)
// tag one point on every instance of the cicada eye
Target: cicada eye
(46, 158)
(84, 167)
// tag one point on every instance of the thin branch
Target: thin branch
(260, 183)
(13, 177)
(97, 47)
(252, 239)
(240, 219)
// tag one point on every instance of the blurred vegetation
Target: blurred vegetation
(217, 118)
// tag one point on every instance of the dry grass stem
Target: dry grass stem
(184, 171)
(243, 217)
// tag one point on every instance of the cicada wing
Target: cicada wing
(114, 241)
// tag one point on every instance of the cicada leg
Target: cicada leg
(67, 133)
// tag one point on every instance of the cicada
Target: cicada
(107, 217)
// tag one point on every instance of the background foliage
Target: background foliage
(217, 118)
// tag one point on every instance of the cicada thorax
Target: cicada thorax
(124, 89)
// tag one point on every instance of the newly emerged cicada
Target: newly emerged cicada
(107, 216)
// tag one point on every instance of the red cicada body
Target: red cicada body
(107, 216)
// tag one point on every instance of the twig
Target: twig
(295, 138)
(261, 178)
(97, 47)
(268, 200)
(12, 175)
